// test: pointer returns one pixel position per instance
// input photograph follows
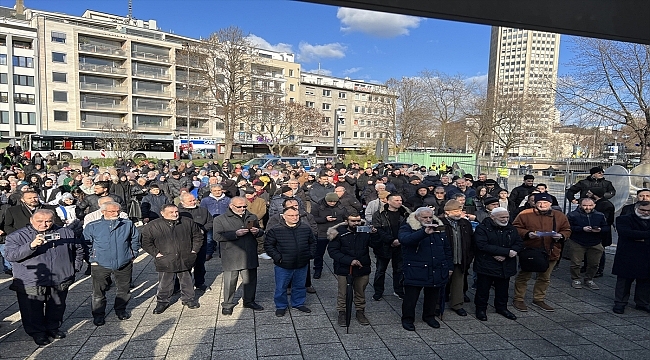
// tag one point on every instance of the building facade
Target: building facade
(525, 63)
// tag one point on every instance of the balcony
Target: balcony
(151, 92)
(103, 87)
(99, 124)
(104, 69)
(196, 127)
(102, 49)
(150, 56)
(182, 77)
(269, 89)
(94, 105)
(268, 75)
(164, 126)
(152, 109)
(152, 74)
(192, 94)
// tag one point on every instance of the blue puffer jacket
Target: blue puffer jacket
(579, 219)
(52, 264)
(114, 242)
(427, 257)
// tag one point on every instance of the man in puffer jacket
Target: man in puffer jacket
(291, 245)
(350, 250)
(115, 243)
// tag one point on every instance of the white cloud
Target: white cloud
(351, 70)
(260, 43)
(379, 24)
(320, 71)
(309, 53)
(478, 79)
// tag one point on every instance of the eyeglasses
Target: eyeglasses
(240, 207)
(354, 221)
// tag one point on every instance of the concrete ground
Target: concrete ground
(582, 327)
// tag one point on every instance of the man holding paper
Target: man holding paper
(540, 227)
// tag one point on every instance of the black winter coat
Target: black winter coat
(466, 234)
(346, 246)
(321, 211)
(632, 258)
(416, 201)
(17, 217)
(382, 246)
(518, 194)
(290, 247)
(237, 252)
(589, 183)
(178, 241)
(201, 217)
(492, 240)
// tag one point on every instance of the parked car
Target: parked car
(263, 162)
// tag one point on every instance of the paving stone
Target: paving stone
(589, 352)
(310, 337)
(457, 351)
(247, 353)
(360, 341)
(470, 326)
(323, 351)
(146, 348)
(614, 345)
(233, 341)
(485, 342)
(104, 355)
(440, 336)
(275, 331)
(104, 343)
(515, 332)
(537, 348)
(507, 354)
(152, 332)
(61, 352)
(561, 337)
(277, 347)
(193, 336)
(377, 353)
(407, 346)
(312, 322)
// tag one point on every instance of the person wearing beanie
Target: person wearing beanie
(328, 212)
(420, 198)
(496, 243)
(285, 192)
(410, 188)
(519, 194)
(596, 179)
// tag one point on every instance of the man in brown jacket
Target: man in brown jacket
(529, 223)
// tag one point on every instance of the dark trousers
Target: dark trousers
(321, 246)
(601, 266)
(100, 278)
(483, 285)
(380, 274)
(166, 286)
(641, 291)
(199, 265)
(249, 280)
(42, 313)
(411, 295)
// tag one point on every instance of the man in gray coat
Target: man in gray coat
(237, 231)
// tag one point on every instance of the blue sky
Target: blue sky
(345, 42)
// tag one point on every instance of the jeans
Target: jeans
(359, 288)
(321, 246)
(298, 291)
(541, 283)
(641, 292)
(7, 264)
(100, 278)
(483, 284)
(42, 313)
(249, 281)
(212, 246)
(380, 274)
(411, 295)
(593, 255)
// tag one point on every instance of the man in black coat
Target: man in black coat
(497, 243)
(348, 200)
(327, 212)
(518, 194)
(421, 198)
(607, 208)
(237, 231)
(350, 250)
(201, 216)
(596, 179)
(459, 234)
(641, 195)
(101, 189)
(174, 242)
(17, 216)
(291, 244)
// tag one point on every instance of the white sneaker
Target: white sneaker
(264, 256)
(576, 284)
(592, 285)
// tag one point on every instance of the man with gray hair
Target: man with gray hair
(45, 258)
(203, 219)
(114, 244)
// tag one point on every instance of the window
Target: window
(59, 77)
(325, 133)
(326, 119)
(58, 37)
(22, 61)
(58, 57)
(342, 95)
(3, 78)
(23, 80)
(290, 72)
(25, 118)
(22, 44)
(3, 59)
(4, 117)
(327, 93)
(309, 104)
(4, 97)
(24, 99)
(60, 115)
(357, 109)
(61, 96)
(326, 106)
(292, 87)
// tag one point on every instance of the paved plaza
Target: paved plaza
(582, 327)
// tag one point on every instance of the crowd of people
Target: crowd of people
(432, 228)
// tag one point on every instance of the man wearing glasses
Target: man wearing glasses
(237, 231)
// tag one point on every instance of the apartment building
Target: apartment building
(19, 86)
(361, 108)
(526, 62)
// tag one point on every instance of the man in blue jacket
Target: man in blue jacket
(115, 243)
(45, 258)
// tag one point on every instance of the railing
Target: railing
(150, 56)
(164, 126)
(183, 94)
(93, 105)
(102, 49)
(106, 69)
(205, 129)
(267, 74)
(151, 74)
(152, 92)
(162, 109)
(98, 124)
(102, 87)
(184, 78)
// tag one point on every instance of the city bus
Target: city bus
(69, 145)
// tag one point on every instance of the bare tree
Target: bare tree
(280, 124)
(119, 141)
(611, 80)
(515, 118)
(406, 122)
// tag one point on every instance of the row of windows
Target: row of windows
(23, 61)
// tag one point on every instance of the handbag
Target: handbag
(533, 259)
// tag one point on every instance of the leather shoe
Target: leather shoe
(160, 308)
(254, 306)
(99, 321)
(303, 308)
(123, 315)
(433, 323)
(57, 334)
(280, 312)
(408, 326)
(481, 315)
(507, 314)
(619, 309)
(461, 312)
(317, 274)
(192, 304)
(225, 311)
(41, 340)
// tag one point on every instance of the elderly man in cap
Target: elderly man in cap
(596, 179)
(459, 233)
(540, 227)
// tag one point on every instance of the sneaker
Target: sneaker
(264, 256)
(341, 319)
(519, 305)
(401, 297)
(192, 304)
(592, 285)
(576, 284)
(361, 318)
(542, 305)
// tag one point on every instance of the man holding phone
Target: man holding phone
(588, 226)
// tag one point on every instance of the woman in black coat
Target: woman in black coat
(497, 244)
